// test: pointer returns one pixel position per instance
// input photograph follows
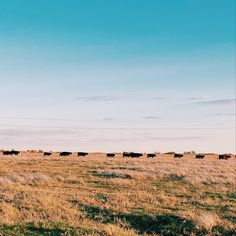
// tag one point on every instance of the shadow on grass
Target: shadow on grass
(169, 224)
(111, 175)
(52, 229)
(150, 224)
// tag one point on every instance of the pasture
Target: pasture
(97, 195)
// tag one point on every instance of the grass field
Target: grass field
(117, 196)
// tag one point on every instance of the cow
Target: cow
(111, 154)
(200, 156)
(135, 155)
(132, 154)
(126, 154)
(151, 155)
(10, 153)
(15, 152)
(82, 154)
(64, 154)
(7, 153)
(224, 156)
(178, 155)
(47, 153)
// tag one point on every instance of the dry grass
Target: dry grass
(116, 196)
(207, 220)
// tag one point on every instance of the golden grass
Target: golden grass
(207, 220)
(117, 196)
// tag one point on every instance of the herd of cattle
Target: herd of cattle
(124, 154)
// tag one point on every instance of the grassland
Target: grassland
(117, 196)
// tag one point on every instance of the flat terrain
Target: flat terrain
(118, 196)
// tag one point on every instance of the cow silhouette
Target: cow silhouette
(64, 154)
(224, 156)
(200, 156)
(177, 155)
(151, 155)
(132, 154)
(82, 154)
(47, 153)
(111, 154)
(10, 153)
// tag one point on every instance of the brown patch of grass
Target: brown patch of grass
(8, 213)
(115, 230)
(207, 220)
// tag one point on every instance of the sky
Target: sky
(127, 75)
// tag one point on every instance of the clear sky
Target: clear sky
(127, 75)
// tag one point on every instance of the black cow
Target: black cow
(224, 156)
(126, 154)
(82, 154)
(135, 155)
(132, 154)
(178, 155)
(7, 153)
(10, 153)
(151, 155)
(200, 156)
(15, 152)
(47, 153)
(64, 154)
(111, 154)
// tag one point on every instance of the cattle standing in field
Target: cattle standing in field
(7, 153)
(64, 154)
(126, 154)
(178, 155)
(47, 153)
(200, 156)
(224, 156)
(15, 152)
(132, 154)
(82, 154)
(135, 155)
(111, 154)
(151, 155)
(10, 153)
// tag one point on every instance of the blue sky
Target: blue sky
(118, 75)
